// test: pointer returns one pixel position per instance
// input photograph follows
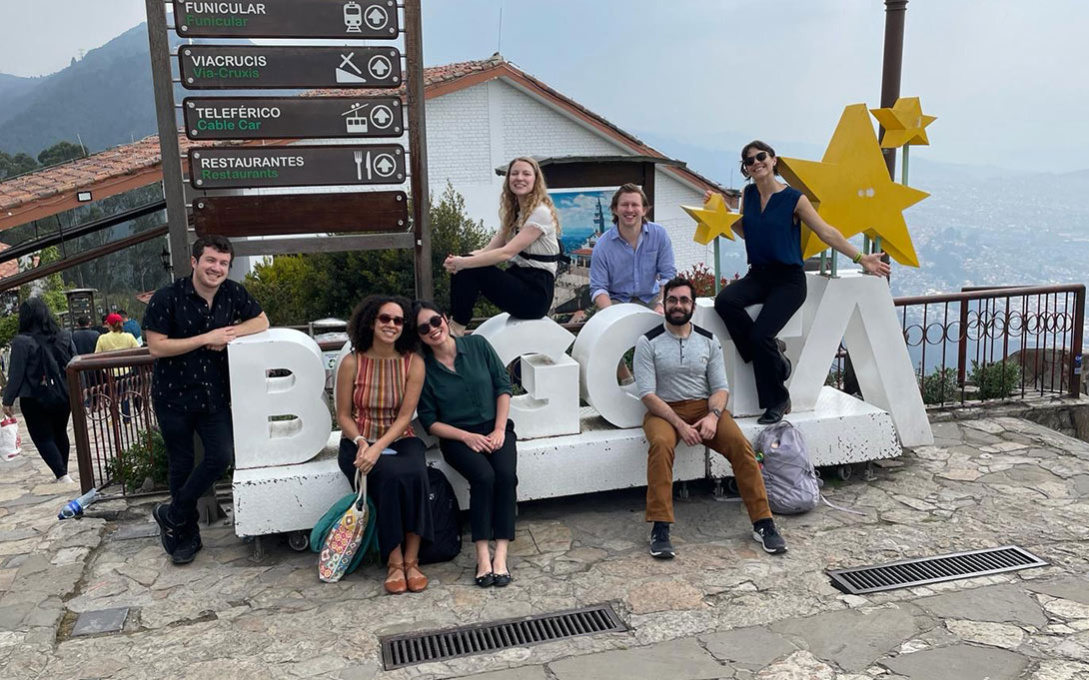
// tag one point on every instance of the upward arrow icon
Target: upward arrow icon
(380, 67)
(376, 17)
(380, 116)
(384, 165)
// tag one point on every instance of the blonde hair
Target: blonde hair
(510, 213)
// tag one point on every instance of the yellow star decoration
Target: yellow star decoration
(714, 219)
(904, 123)
(851, 189)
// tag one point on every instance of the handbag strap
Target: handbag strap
(361, 484)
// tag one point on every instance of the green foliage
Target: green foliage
(17, 164)
(61, 152)
(995, 380)
(9, 328)
(295, 289)
(145, 458)
(940, 386)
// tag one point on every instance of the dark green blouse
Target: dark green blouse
(465, 396)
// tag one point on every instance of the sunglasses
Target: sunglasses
(395, 320)
(762, 156)
(433, 322)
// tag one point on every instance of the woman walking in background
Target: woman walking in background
(465, 403)
(377, 388)
(528, 238)
(39, 354)
(772, 213)
(117, 338)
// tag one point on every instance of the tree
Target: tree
(295, 289)
(61, 152)
(20, 163)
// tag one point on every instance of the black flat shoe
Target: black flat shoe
(502, 580)
(775, 413)
(485, 580)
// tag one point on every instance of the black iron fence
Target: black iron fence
(976, 345)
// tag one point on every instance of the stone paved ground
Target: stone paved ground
(722, 609)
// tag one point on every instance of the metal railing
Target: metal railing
(996, 343)
(110, 395)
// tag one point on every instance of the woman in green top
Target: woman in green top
(465, 403)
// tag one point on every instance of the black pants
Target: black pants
(522, 292)
(492, 480)
(399, 488)
(781, 289)
(48, 430)
(188, 482)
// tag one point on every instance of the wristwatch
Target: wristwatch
(717, 412)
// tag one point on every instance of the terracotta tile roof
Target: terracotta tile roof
(9, 268)
(51, 190)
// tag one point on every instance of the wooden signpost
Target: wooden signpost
(370, 212)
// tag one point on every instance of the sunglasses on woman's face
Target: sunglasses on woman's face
(762, 156)
(395, 320)
(433, 322)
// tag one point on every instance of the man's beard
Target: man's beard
(685, 316)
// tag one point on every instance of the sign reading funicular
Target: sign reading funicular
(287, 19)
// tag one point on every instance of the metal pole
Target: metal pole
(417, 141)
(1077, 362)
(890, 70)
(904, 166)
(176, 217)
(718, 275)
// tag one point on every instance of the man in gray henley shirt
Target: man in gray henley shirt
(681, 376)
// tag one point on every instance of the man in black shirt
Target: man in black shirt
(188, 325)
(84, 336)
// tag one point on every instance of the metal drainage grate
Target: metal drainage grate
(923, 570)
(408, 649)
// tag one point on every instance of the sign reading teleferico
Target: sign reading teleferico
(295, 166)
(292, 117)
(218, 67)
(348, 19)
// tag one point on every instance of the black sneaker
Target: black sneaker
(188, 547)
(660, 547)
(168, 528)
(768, 536)
(775, 413)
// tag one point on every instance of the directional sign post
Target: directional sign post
(351, 19)
(216, 67)
(292, 117)
(295, 166)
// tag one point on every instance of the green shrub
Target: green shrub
(940, 386)
(140, 461)
(995, 380)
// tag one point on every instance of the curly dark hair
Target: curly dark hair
(677, 282)
(412, 325)
(361, 325)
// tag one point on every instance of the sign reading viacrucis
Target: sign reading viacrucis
(295, 166)
(220, 67)
(292, 117)
(287, 19)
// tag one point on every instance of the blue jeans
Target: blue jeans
(188, 482)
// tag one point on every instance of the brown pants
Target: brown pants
(728, 441)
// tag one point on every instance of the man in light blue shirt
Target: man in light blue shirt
(631, 259)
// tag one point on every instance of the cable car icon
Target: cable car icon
(353, 17)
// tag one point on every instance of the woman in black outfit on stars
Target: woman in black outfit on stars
(772, 213)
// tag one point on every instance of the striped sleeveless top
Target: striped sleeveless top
(378, 394)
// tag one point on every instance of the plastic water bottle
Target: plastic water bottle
(75, 508)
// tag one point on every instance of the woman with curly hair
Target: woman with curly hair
(377, 388)
(528, 238)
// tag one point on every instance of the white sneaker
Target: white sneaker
(66, 479)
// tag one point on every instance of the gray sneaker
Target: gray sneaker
(660, 547)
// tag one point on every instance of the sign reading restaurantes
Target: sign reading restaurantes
(292, 117)
(219, 67)
(348, 19)
(295, 166)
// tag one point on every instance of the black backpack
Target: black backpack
(446, 518)
(52, 390)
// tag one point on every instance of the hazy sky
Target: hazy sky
(1006, 78)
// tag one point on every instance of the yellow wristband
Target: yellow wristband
(857, 258)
